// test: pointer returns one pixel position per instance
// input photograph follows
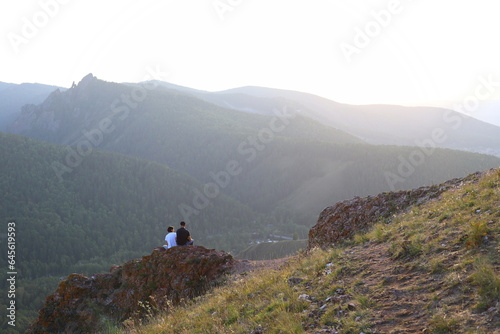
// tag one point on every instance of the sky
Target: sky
(409, 52)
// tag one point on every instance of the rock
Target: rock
(258, 330)
(344, 219)
(114, 268)
(294, 281)
(131, 291)
(305, 297)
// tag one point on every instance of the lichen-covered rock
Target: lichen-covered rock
(344, 219)
(131, 291)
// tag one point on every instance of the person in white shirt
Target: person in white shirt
(170, 238)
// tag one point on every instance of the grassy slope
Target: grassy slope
(433, 268)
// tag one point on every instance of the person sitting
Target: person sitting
(183, 236)
(170, 238)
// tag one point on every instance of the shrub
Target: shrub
(488, 281)
(477, 231)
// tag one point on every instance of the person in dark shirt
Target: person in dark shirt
(183, 236)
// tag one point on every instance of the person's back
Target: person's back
(170, 238)
(183, 236)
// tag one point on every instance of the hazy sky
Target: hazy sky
(353, 51)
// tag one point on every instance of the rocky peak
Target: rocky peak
(344, 219)
(81, 88)
(138, 288)
(86, 80)
(55, 112)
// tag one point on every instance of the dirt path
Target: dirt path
(405, 298)
(399, 295)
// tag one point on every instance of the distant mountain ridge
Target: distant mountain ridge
(14, 96)
(375, 124)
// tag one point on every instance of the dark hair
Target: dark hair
(170, 229)
(183, 224)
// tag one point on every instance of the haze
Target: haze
(412, 52)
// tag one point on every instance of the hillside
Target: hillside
(375, 124)
(432, 267)
(286, 166)
(106, 193)
(13, 97)
(108, 209)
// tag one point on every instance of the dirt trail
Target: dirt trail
(405, 298)
(398, 294)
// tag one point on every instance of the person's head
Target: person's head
(183, 224)
(170, 229)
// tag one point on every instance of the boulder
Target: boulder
(137, 289)
(344, 219)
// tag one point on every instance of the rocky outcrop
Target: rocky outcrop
(343, 220)
(54, 119)
(132, 291)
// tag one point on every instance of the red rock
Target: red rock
(139, 287)
(345, 219)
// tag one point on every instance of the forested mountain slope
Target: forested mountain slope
(284, 164)
(108, 209)
(108, 204)
(14, 96)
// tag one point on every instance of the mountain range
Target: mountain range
(375, 124)
(283, 156)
